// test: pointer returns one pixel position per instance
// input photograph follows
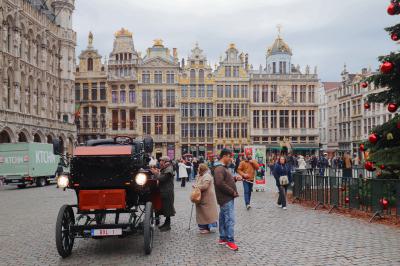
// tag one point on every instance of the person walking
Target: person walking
(281, 169)
(165, 181)
(183, 172)
(247, 170)
(347, 166)
(226, 192)
(206, 209)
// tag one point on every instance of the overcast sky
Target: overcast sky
(319, 32)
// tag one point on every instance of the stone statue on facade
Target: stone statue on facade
(307, 69)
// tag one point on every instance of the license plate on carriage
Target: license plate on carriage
(106, 232)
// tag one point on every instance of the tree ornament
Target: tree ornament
(389, 136)
(391, 9)
(392, 107)
(367, 106)
(369, 166)
(384, 203)
(364, 84)
(382, 167)
(373, 138)
(362, 147)
(347, 200)
(386, 67)
(394, 37)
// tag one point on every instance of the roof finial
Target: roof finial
(279, 27)
(90, 39)
(197, 44)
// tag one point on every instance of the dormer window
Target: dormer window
(90, 64)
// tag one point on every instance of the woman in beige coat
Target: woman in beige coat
(206, 209)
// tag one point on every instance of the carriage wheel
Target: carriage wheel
(148, 229)
(64, 238)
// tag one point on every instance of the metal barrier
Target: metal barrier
(378, 196)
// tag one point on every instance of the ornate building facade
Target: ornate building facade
(91, 95)
(284, 108)
(232, 101)
(37, 53)
(196, 82)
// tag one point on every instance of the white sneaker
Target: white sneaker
(248, 207)
(284, 208)
(279, 205)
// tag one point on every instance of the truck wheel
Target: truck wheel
(22, 186)
(64, 237)
(41, 181)
(148, 228)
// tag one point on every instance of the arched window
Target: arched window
(9, 89)
(192, 76)
(38, 47)
(201, 75)
(38, 97)
(29, 48)
(9, 37)
(28, 94)
(90, 64)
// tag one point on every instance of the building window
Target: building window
(94, 91)
(114, 97)
(311, 96)
(202, 130)
(193, 110)
(170, 98)
(103, 117)
(273, 119)
(274, 67)
(209, 110)
(210, 130)
(294, 119)
(236, 130)
(90, 64)
(284, 119)
(228, 91)
(228, 110)
(192, 76)
(209, 91)
(264, 95)
(294, 93)
(158, 77)
(201, 76)
(158, 124)
(236, 71)
(264, 119)
(114, 119)
(302, 119)
(170, 125)
(274, 90)
(132, 95)
(228, 131)
(244, 91)
(236, 109)
(123, 119)
(184, 130)
(256, 93)
(85, 92)
(146, 100)
(228, 71)
(184, 91)
(184, 110)
(202, 110)
(311, 119)
(132, 118)
(303, 93)
(192, 91)
(146, 77)
(201, 92)
(122, 95)
(146, 121)
(193, 130)
(170, 77)
(220, 110)
(103, 91)
(220, 91)
(94, 117)
(256, 119)
(77, 92)
(244, 110)
(244, 130)
(220, 130)
(158, 98)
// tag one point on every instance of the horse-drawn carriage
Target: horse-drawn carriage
(112, 184)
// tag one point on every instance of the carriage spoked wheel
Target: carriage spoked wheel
(64, 238)
(148, 228)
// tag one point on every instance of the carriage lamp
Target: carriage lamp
(62, 181)
(141, 179)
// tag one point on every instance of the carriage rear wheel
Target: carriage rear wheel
(148, 228)
(64, 238)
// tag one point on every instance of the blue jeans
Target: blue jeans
(247, 192)
(227, 221)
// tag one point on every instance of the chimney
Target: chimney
(175, 54)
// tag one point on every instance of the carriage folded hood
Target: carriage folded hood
(103, 150)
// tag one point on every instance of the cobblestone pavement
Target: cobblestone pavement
(266, 235)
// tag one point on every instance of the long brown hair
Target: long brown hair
(203, 168)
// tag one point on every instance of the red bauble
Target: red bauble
(386, 67)
(367, 106)
(362, 148)
(384, 203)
(392, 107)
(364, 84)
(382, 166)
(394, 37)
(391, 9)
(369, 166)
(347, 200)
(373, 138)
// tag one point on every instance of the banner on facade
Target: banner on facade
(258, 153)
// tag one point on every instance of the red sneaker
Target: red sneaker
(232, 246)
(222, 242)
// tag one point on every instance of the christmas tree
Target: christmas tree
(383, 144)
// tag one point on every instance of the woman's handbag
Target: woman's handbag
(283, 180)
(195, 196)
